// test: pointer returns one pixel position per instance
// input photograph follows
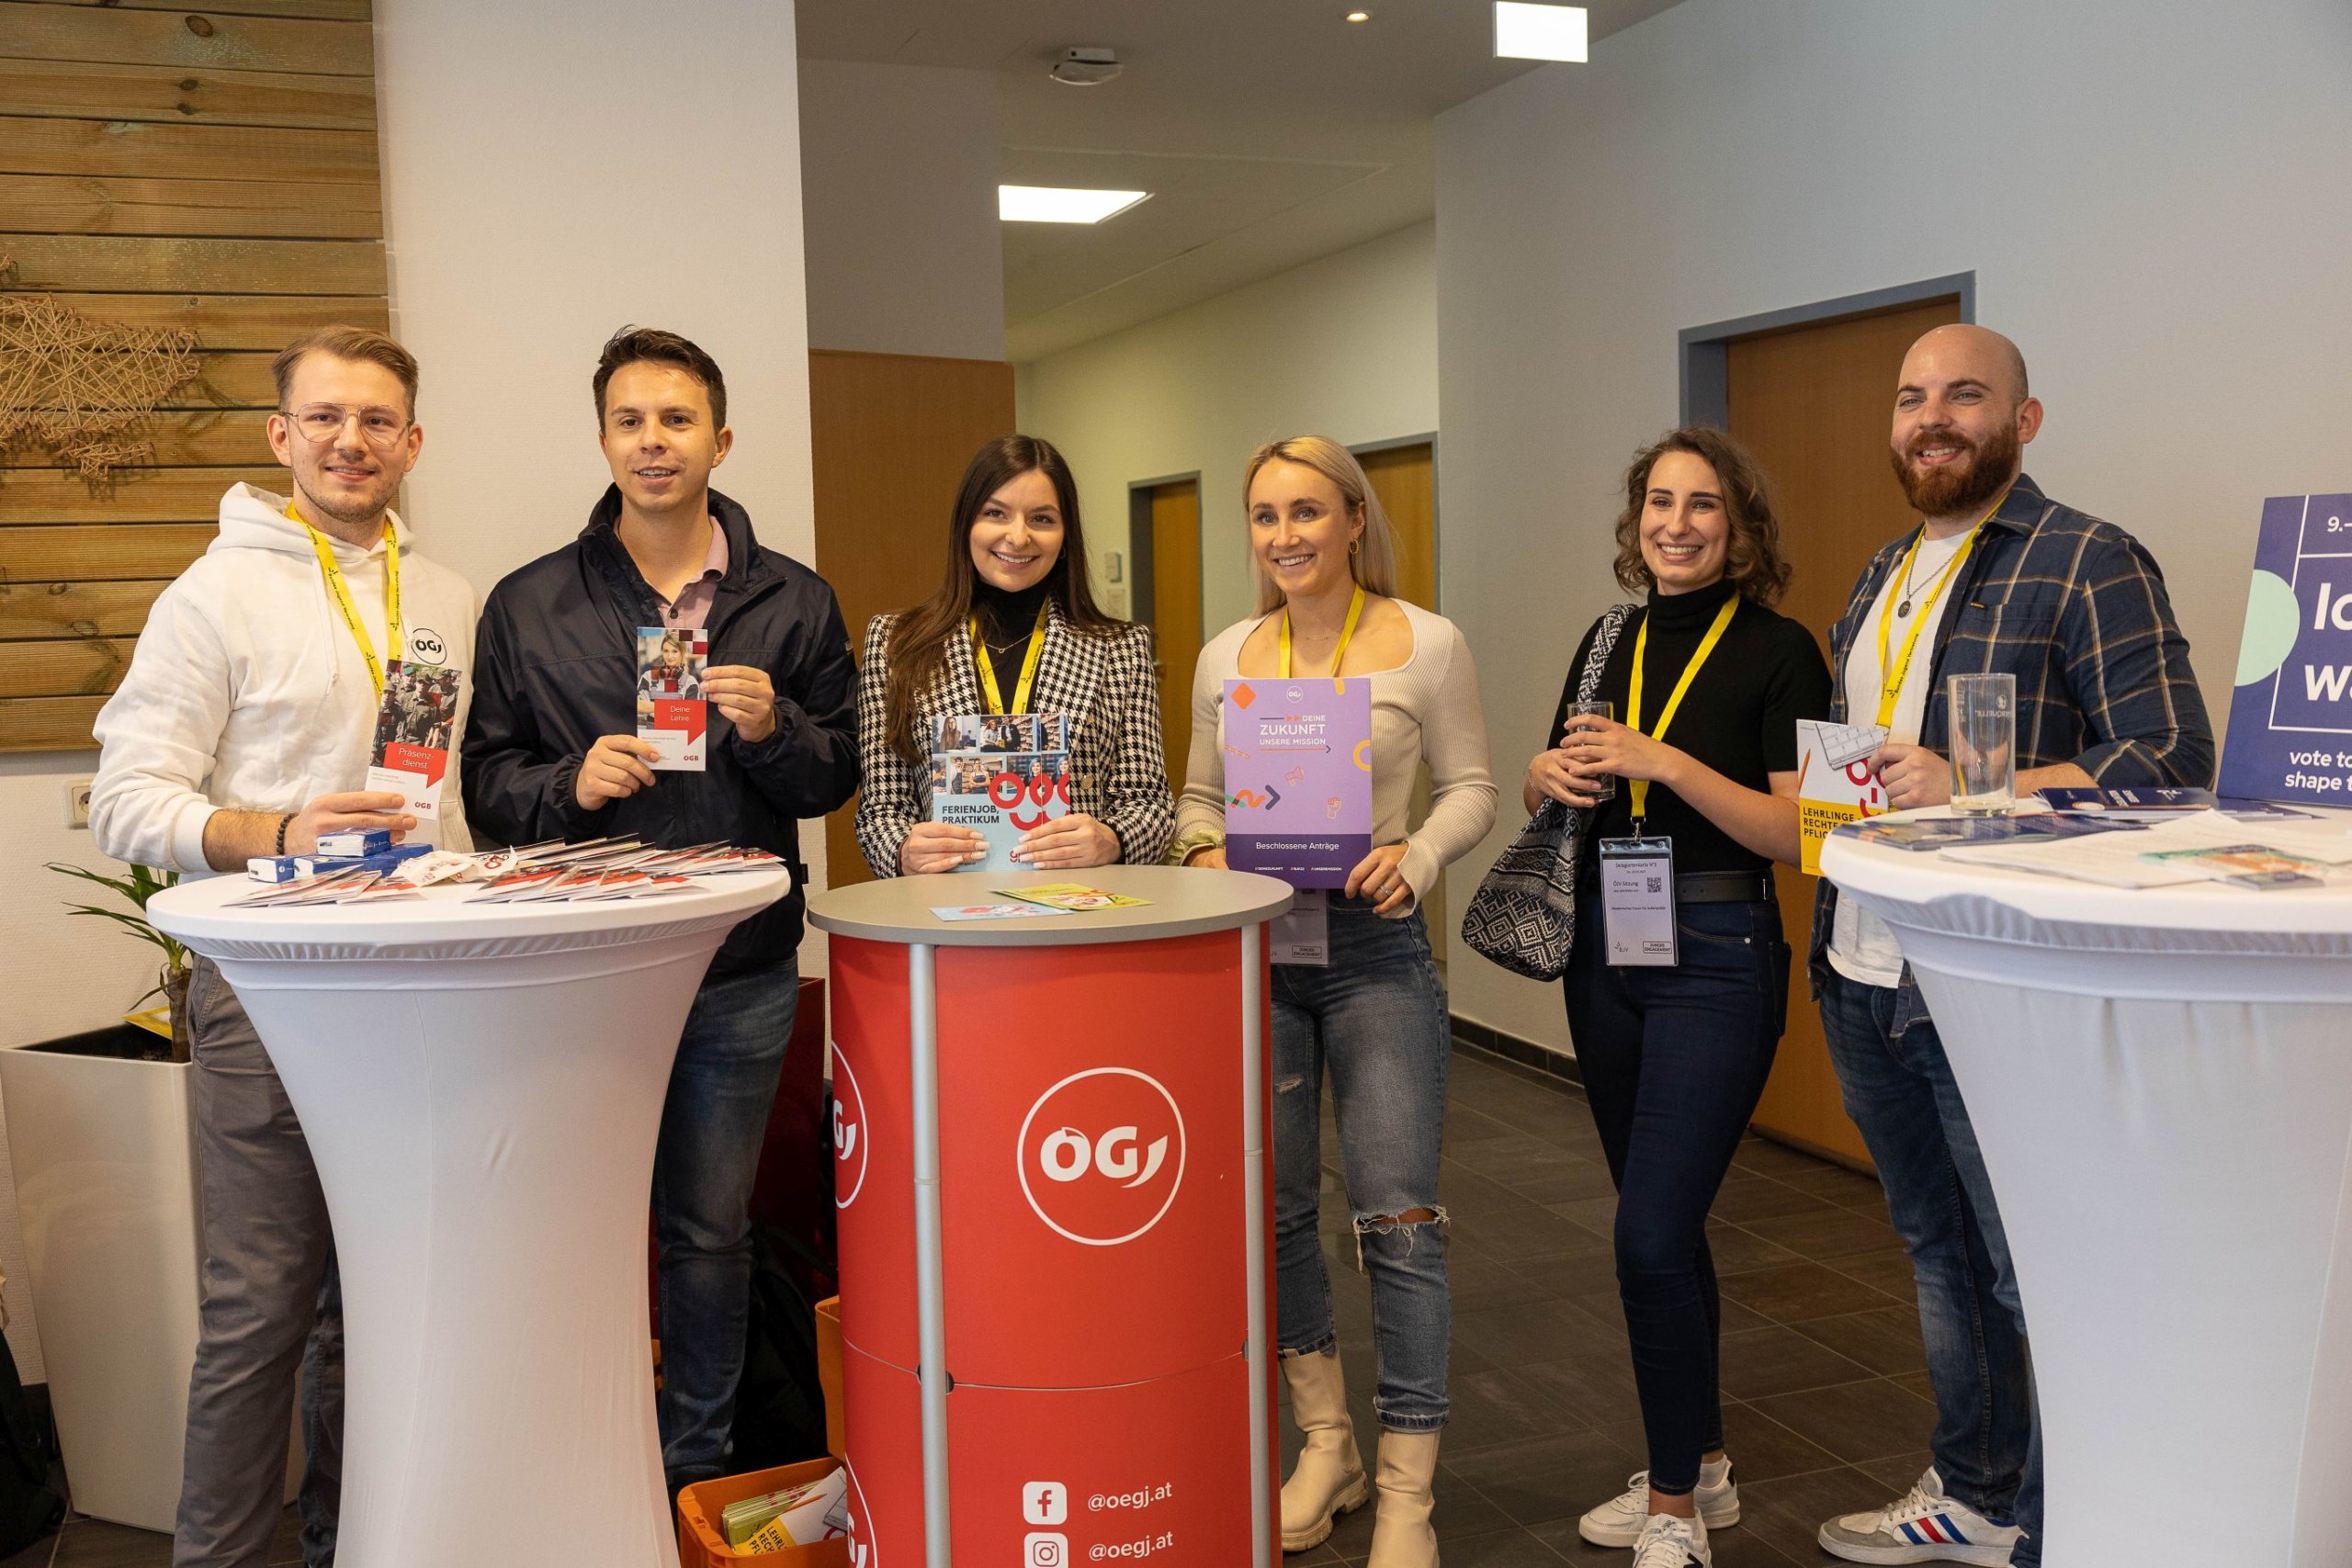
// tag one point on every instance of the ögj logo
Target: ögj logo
(849, 1133)
(425, 647)
(865, 1550)
(1101, 1155)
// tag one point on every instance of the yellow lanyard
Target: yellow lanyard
(1641, 787)
(341, 592)
(1028, 665)
(1891, 675)
(1347, 633)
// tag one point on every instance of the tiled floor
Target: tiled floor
(1827, 1409)
(1826, 1406)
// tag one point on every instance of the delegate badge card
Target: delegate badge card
(1637, 901)
(1303, 935)
(1002, 775)
(1834, 780)
(671, 712)
(1298, 778)
(416, 726)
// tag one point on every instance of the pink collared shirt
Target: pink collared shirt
(692, 606)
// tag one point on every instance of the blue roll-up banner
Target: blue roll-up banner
(2291, 714)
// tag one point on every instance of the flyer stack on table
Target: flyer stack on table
(480, 1083)
(2161, 1080)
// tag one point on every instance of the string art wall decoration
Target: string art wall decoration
(84, 389)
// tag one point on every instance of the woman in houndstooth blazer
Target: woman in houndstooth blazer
(1016, 544)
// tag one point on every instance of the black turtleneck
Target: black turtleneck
(1739, 716)
(1007, 619)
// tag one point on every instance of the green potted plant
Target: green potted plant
(142, 884)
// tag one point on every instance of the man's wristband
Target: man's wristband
(283, 823)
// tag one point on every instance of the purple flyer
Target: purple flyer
(1298, 778)
(2291, 714)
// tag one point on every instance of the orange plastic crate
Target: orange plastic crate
(829, 1375)
(702, 1544)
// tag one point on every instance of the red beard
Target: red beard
(1964, 486)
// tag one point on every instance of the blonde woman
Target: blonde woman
(1376, 1016)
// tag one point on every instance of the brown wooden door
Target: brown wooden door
(1405, 478)
(1175, 612)
(892, 434)
(1813, 403)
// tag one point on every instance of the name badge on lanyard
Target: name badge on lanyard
(1637, 901)
(1303, 935)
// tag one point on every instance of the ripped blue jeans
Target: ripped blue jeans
(1376, 1020)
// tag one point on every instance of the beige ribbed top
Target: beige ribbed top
(1425, 709)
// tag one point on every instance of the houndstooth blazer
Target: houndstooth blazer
(1118, 771)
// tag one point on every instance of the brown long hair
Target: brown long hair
(1752, 559)
(917, 646)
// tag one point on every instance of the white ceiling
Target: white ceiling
(1268, 132)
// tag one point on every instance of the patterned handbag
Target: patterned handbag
(1524, 916)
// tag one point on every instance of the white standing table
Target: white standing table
(2160, 1081)
(481, 1086)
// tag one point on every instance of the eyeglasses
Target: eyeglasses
(323, 423)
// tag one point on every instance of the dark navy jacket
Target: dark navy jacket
(556, 667)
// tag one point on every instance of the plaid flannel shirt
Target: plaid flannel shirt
(2075, 609)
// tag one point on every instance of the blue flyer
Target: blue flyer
(2290, 713)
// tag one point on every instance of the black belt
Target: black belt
(1724, 887)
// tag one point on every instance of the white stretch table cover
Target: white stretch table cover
(481, 1086)
(2160, 1081)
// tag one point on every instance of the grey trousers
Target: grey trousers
(273, 1306)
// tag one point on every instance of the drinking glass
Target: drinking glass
(1984, 743)
(1600, 787)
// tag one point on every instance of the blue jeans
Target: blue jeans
(713, 1120)
(1899, 1090)
(1376, 1019)
(1674, 1061)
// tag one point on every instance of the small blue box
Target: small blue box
(364, 842)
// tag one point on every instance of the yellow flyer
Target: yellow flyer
(1836, 782)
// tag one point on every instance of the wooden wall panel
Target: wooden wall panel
(892, 435)
(214, 171)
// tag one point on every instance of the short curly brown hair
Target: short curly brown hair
(1753, 562)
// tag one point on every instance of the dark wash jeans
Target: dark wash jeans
(721, 1091)
(1376, 1020)
(1899, 1090)
(1674, 1060)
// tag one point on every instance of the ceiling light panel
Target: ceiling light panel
(1061, 204)
(1524, 31)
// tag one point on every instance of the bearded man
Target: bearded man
(1998, 578)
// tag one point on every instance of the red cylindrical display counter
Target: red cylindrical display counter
(1055, 1223)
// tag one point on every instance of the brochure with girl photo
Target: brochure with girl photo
(671, 712)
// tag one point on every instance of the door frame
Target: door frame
(1437, 497)
(1703, 354)
(1139, 548)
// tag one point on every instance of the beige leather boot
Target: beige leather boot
(1401, 1536)
(1328, 1479)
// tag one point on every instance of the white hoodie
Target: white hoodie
(247, 690)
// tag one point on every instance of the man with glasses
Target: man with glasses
(244, 728)
(552, 752)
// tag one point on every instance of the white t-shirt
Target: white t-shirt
(1861, 947)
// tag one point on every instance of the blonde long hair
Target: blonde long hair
(1373, 563)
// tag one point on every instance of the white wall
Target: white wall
(899, 171)
(1345, 346)
(2152, 194)
(545, 183)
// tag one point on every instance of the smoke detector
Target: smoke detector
(1086, 67)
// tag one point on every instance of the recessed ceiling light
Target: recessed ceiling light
(1525, 31)
(1359, 15)
(1059, 204)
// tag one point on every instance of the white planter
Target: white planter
(107, 1194)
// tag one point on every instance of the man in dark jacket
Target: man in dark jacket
(552, 752)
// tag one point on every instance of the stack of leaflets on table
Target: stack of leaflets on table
(329, 888)
(2191, 847)
(2153, 803)
(1001, 774)
(1943, 832)
(612, 868)
(1073, 897)
(993, 911)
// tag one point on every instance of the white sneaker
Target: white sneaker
(1670, 1543)
(1926, 1526)
(1620, 1520)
